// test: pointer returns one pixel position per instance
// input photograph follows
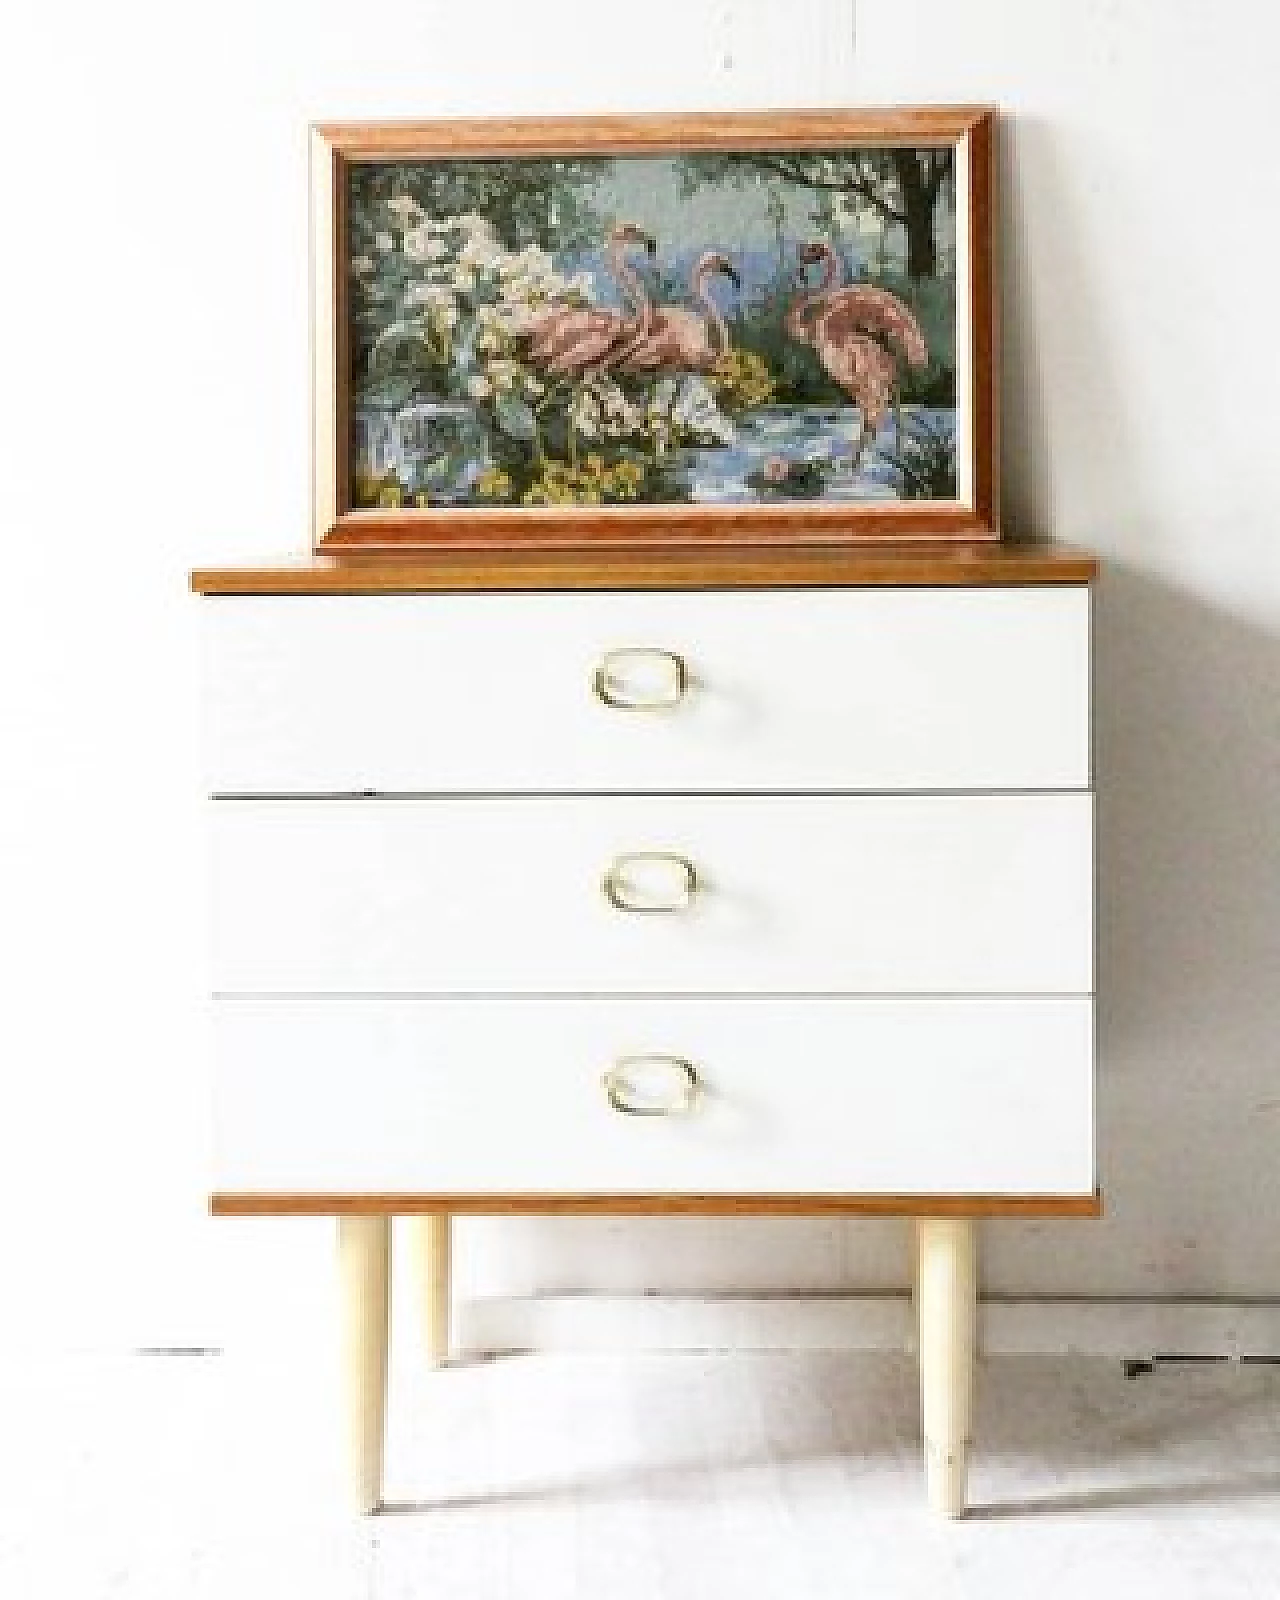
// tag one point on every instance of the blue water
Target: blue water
(711, 474)
(800, 434)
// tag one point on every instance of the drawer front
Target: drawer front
(944, 894)
(415, 1095)
(828, 690)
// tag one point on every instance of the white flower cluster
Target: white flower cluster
(687, 407)
(468, 298)
(600, 409)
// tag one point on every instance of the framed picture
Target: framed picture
(621, 331)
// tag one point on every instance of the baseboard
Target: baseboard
(1125, 1328)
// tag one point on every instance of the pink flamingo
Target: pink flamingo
(841, 324)
(679, 338)
(581, 341)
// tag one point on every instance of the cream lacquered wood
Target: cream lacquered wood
(685, 895)
(946, 1301)
(407, 1094)
(432, 1247)
(364, 1284)
(984, 688)
(945, 893)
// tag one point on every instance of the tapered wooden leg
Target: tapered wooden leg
(364, 1270)
(431, 1249)
(946, 1300)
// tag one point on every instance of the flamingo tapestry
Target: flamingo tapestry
(722, 329)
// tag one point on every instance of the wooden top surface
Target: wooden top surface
(952, 565)
(237, 1204)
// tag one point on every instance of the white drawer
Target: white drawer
(875, 894)
(412, 1095)
(822, 689)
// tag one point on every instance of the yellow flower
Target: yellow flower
(368, 486)
(741, 379)
(390, 497)
(493, 484)
(592, 483)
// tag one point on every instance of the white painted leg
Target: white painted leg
(946, 1299)
(431, 1250)
(364, 1262)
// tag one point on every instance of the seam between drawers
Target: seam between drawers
(737, 996)
(637, 794)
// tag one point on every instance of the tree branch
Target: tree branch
(939, 167)
(859, 185)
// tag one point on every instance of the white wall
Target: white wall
(152, 414)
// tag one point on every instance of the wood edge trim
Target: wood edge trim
(326, 187)
(336, 526)
(795, 524)
(239, 1204)
(647, 131)
(285, 583)
(984, 312)
(676, 569)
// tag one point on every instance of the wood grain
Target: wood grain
(364, 1283)
(329, 438)
(635, 135)
(240, 1204)
(334, 146)
(851, 566)
(626, 527)
(983, 300)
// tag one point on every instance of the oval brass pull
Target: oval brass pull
(628, 882)
(625, 1086)
(664, 679)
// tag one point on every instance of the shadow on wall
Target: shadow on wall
(1188, 760)
(1188, 745)
(1189, 937)
(1188, 749)
(1064, 424)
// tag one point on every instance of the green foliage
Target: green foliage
(376, 489)
(932, 301)
(899, 185)
(592, 483)
(540, 205)
(610, 476)
(540, 202)
(515, 416)
(798, 377)
(926, 461)
(797, 373)
(874, 175)
(741, 381)
(780, 479)
(451, 269)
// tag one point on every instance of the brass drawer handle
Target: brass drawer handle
(624, 1085)
(609, 680)
(624, 887)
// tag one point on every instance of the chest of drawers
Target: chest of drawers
(644, 897)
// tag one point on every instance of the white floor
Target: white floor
(794, 1476)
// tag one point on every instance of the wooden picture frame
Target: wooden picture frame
(396, 342)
